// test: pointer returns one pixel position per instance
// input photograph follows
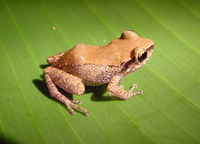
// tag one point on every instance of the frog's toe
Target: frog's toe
(73, 112)
(77, 102)
(87, 114)
(132, 88)
(140, 92)
(136, 93)
(70, 109)
(76, 107)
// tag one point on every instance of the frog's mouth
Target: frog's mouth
(149, 51)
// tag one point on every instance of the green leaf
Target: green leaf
(167, 112)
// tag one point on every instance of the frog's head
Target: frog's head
(140, 49)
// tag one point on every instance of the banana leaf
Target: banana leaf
(167, 112)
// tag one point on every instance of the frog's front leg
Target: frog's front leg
(114, 89)
(67, 82)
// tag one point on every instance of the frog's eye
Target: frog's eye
(128, 35)
(142, 55)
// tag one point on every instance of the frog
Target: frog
(91, 65)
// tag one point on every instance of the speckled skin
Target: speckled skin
(94, 65)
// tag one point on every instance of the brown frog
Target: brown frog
(94, 65)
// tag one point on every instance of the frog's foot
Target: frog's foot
(136, 93)
(68, 83)
(119, 92)
(70, 103)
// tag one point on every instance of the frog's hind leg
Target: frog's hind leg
(54, 58)
(68, 83)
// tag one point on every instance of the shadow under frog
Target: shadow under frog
(97, 92)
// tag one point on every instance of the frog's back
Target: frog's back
(84, 61)
(84, 54)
